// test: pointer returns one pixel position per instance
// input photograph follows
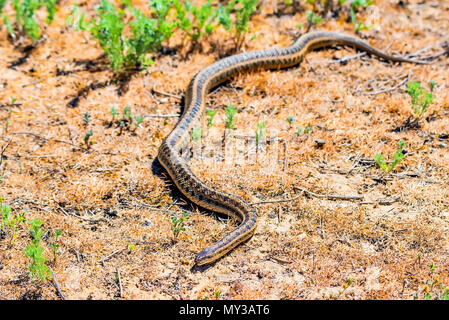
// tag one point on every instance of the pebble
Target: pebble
(148, 223)
(320, 142)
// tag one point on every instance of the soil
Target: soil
(331, 224)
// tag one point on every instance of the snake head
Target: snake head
(205, 256)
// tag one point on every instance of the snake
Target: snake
(169, 153)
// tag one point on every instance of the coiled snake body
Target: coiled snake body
(170, 150)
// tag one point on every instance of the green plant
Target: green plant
(108, 28)
(307, 129)
(434, 289)
(355, 5)
(195, 21)
(210, 114)
(260, 132)
(10, 221)
(313, 19)
(86, 118)
(114, 113)
(131, 247)
(243, 9)
(420, 98)
(290, 120)
(127, 115)
(178, 224)
(138, 120)
(230, 113)
(8, 118)
(25, 17)
(87, 137)
(196, 134)
(55, 243)
(5, 215)
(358, 26)
(34, 251)
(398, 156)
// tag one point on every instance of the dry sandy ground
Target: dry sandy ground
(390, 242)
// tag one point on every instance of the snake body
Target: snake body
(169, 154)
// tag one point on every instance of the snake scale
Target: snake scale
(169, 153)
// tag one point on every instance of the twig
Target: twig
(119, 282)
(40, 156)
(55, 282)
(71, 214)
(110, 256)
(275, 201)
(166, 94)
(49, 139)
(328, 196)
(284, 164)
(3, 151)
(406, 78)
(386, 89)
(162, 116)
(386, 201)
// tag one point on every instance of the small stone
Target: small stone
(147, 223)
(110, 213)
(320, 143)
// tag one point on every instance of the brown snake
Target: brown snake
(170, 151)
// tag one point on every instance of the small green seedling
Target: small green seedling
(238, 24)
(10, 221)
(398, 156)
(138, 120)
(178, 224)
(55, 243)
(25, 23)
(313, 19)
(261, 132)
(131, 247)
(210, 114)
(358, 26)
(290, 120)
(420, 98)
(34, 251)
(195, 21)
(230, 113)
(126, 35)
(354, 7)
(86, 118)
(87, 137)
(196, 134)
(114, 113)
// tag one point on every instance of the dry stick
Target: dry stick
(3, 150)
(275, 201)
(70, 214)
(49, 139)
(328, 196)
(407, 78)
(162, 116)
(110, 256)
(55, 282)
(166, 94)
(382, 201)
(119, 282)
(284, 164)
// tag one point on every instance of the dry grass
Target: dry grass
(307, 248)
